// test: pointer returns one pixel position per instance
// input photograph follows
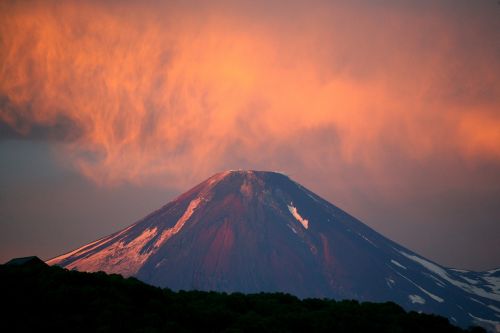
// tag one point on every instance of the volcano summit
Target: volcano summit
(253, 231)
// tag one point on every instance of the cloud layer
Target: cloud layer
(168, 92)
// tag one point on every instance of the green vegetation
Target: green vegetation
(36, 297)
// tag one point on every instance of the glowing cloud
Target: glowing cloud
(171, 91)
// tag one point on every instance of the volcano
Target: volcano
(255, 231)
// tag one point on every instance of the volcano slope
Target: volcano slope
(253, 231)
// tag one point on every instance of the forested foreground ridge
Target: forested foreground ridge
(38, 297)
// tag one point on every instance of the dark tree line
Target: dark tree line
(36, 297)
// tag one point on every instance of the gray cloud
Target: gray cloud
(21, 127)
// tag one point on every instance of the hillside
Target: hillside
(37, 297)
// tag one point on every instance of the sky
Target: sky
(388, 109)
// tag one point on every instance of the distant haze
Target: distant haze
(388, 109)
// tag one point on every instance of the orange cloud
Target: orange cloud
(480, 136)
(180, 91)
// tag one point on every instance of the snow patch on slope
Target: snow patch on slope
(416, 299)
(86, 248)
(123, 258)
(166, 234)
(390, 282)
(495, 282)
(471, 281)
(295, 213)
(367, 239)
(212, 181)
(494, 308)
(489, 323)
(436, 280)
(477, 301)
(394, 262)
(431, 295)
